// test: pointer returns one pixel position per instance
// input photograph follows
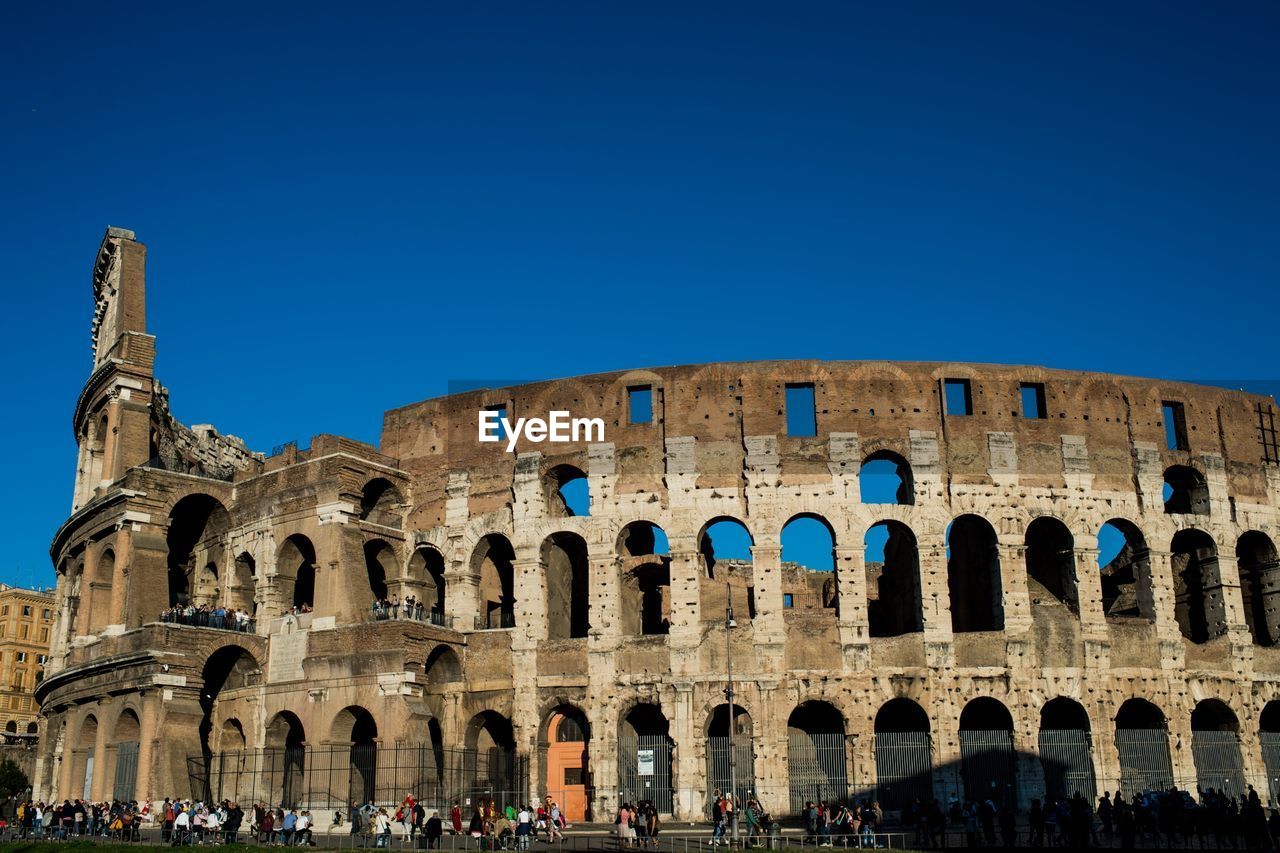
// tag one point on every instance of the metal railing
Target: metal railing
(209, 619)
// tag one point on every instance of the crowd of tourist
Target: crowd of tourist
(410, 608)
(210, 616)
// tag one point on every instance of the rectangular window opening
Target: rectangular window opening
(1033, 400)
(788, 600)
(1175, 425)
(958, 398)
(802, 415)
(640, 404)
(500, 430)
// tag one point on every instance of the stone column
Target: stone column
(1013, 585)
(685, 635)
(461, 588)
(531, 629)
(149, 734)
(935, 597)
(100, 788)
(852, 623)
(690, 775)
(766, 579)
(1172, 646)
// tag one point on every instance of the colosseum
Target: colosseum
(995, 581)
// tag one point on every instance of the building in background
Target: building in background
(26, 618)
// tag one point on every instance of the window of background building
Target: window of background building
(44, 635)
(47, 614)
(788, 600)
(22, 632)
(4, 611)
(26, 610)
(22, 657)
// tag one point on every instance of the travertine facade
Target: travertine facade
(593, 654)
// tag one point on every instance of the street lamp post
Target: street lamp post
(729, 623)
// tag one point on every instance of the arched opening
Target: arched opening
(380, 503)
(645, 574)
(725, 545)
(380, 564)
(973, 575)
(568, 776)
(442, 667)
(1269, 739)
(32, 728)
(426, 566)
(1197, 586)
(243, 589)
(644, 757)
(904, 754)
(11, 727)
(493, 562)
(230, 668)
(231, 738)
(490, 759)
(568, 576)
(285, 757)
(1051, 564)
(356, 726)
(1215, 748)
(1066, 750)
(1124, 563)
(197, 525)
(987, 762)
(127, 738)
(82, 758)
(809, 560)
(296, 572)
(1260, 586)
(1142, 742)
(1185, 491)
(567, 492)
(99, 592)
(892, 560)
(725, 762)
(817, 759)
(885, 478)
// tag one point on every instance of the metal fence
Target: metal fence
(1218, 762)
(818, 767)
(904, 768)
(1067, 758)
(126, 771)
(334, 778)
(718, 767)
(1144, 759)
(987, 765)
(644, 770)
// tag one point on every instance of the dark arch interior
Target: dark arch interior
(1197, 588)
(986, 714)
(572, 726)
(1127, 591)
(1270, 719)
(901, 715)
(647, 720)
(195, 524)
(1063, 713)
(442, 666)
(427, 565)
(973, 575)
(894, 605)
(1260, 586)
(1213, 715)
(642, 538)
(286, 732)
(719, 725)
(379, 562)
(1185, 490)
(1051, 563)
(229, 668)
(1139, 714)
(568, 583)
(816, 718)
(490, 730)
(494, 562)
(298, 562)
(380, 503)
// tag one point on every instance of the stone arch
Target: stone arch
(126, 738)
(730, 756)
(100, 580)
(354, 725)
(1269, 740)
(296, 572)
(987, 762)
(1051, 564)
(285, 757)
(232, 738)
(1215, 748)
(894, 602)
(493, 563)
(426, 567)
(644, 563)
(973, 575)
(442, 667)
(1185, 491)
(382, 504)
(197, 526)
(566, 491)
(228, 668)
(490, 742)
(381, 565)
(817, 754)
(904, 753)
(567, 576)
(1142, 744)
(645, 733)
(885, 478)
(1260, 586)
(1197, 586)
(242, 592)
(1127, 588)
(728, 526)
(564, 737)
(83, 759)
(1066, 750)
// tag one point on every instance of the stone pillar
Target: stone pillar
(1172, 646)
(853, 624)
(101, 786)
(1013, 585)
(686, 594)
(531, 629)
(769, 740)
(1026, 746)
(461, 588)
(149, 735)
(766, 578)
(690, 774)
(935, 595)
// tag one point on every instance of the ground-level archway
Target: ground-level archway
(817, 760)
(1066, 750)
(987, 761)
(1215, 748)
(644, 758)
(730, 767)
(568, 777)
(1142, 742)
(904, 754)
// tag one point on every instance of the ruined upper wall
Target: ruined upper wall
(1097, 425)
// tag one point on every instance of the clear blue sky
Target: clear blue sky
(347, 207)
